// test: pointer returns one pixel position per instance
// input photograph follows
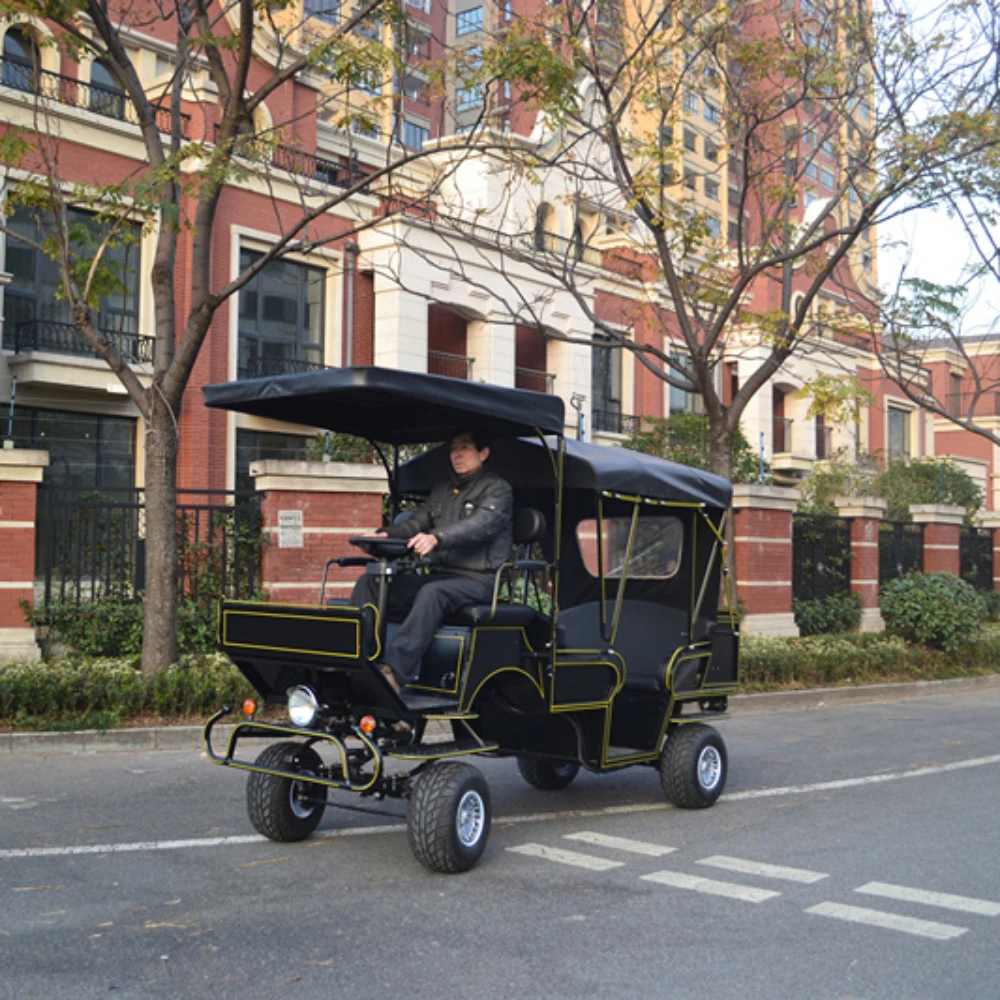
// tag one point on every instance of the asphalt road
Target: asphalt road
(854, 855)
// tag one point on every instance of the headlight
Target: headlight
(303, 705)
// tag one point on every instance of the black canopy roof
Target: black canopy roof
(525, 464)
(395, 407)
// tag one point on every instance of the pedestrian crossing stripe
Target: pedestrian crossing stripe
(621, 844)
(888, 921)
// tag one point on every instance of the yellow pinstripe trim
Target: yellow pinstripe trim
(291, 649)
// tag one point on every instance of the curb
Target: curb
(189, 737)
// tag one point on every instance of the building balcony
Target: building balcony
(612, 421)
(45, 352)
(536, 381)
(104, 101)
(452, 365)
(267, 367)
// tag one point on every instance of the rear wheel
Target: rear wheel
(284, 809)
(449, 818)
(548, 775)
(693, 766)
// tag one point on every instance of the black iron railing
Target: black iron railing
(91, 544)
(900, 549)
(105, 101)
(611, 421)
(265, 367)
(65, 338)
(821, 557)
(976, 556)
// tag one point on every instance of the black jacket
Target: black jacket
(473, 522)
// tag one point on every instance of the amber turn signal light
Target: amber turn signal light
(249, 708)
(367, 725)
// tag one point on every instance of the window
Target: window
(606, 385)
(690, 140)
(415, 89)
(690, 179)
(414, 135)
(508, 10)
(713, 225)
(32, 300)
(468, 21)
(106, 97)
(370, 81)
(899, 433)
(253, 446)
(367, 129)
(682, 401)
(655, 551)
(812, 171)
(712, 191)
(424, 5)
(21, 61)
(691, 102)
(711, 113)
(323, 10)
(468, 98)
(86, 451)
(711, 152)
(281, 314)
(827, 148)
(826, 178)
(734, 231)
(809, 137)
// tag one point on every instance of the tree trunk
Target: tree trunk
(159, 641)
(720, 448)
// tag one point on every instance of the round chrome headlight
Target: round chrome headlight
(303, 705)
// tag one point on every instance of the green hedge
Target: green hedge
(832, 615)
(934, 609)
(102, 693)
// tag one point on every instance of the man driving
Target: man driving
(466, 527)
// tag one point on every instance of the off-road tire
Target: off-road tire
(272, 802)
(693, 766)
(449, 818)
(548, 775)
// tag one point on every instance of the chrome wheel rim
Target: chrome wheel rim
(709, 768)
(470, 818)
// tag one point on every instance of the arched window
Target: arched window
(106, 97)
(21, 61)
(544, 226)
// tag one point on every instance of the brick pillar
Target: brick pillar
(865, 514)
(991, 519)
(20, 473)
(763, 540)
(942, 525)
(310, 509)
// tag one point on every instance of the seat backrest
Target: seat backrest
(529, 526)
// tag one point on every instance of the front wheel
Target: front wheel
(548, 775)
(449, 818)
(693, 766)
(284, 809)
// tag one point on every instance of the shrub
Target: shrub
(991, 598)
(111, 627)
(103, 692)
(939, 610)
(833, 615)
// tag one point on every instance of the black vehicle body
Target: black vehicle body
(602, 646)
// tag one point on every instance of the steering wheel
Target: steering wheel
(380, 546)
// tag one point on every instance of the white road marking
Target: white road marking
(543, 817)
(621, 843)
(870, 779)
(945, 900)
(678, 880)
(566, 857)
(764, 870)
(888, 921)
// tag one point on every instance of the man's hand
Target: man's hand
(422, 543)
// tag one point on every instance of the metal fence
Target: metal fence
(900, 549)
(91, 545)
(821, 557)
(975, 554)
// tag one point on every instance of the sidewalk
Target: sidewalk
(189, 737)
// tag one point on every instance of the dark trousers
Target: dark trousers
(430, 598)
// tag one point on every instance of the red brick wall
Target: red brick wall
(941, 553)
(17, 550)
(864, 559)
(763, 540)
(300, 570)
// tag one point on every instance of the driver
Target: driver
(467, 523)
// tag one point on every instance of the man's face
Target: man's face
(466, 458)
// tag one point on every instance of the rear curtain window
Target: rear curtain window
(656, 550)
